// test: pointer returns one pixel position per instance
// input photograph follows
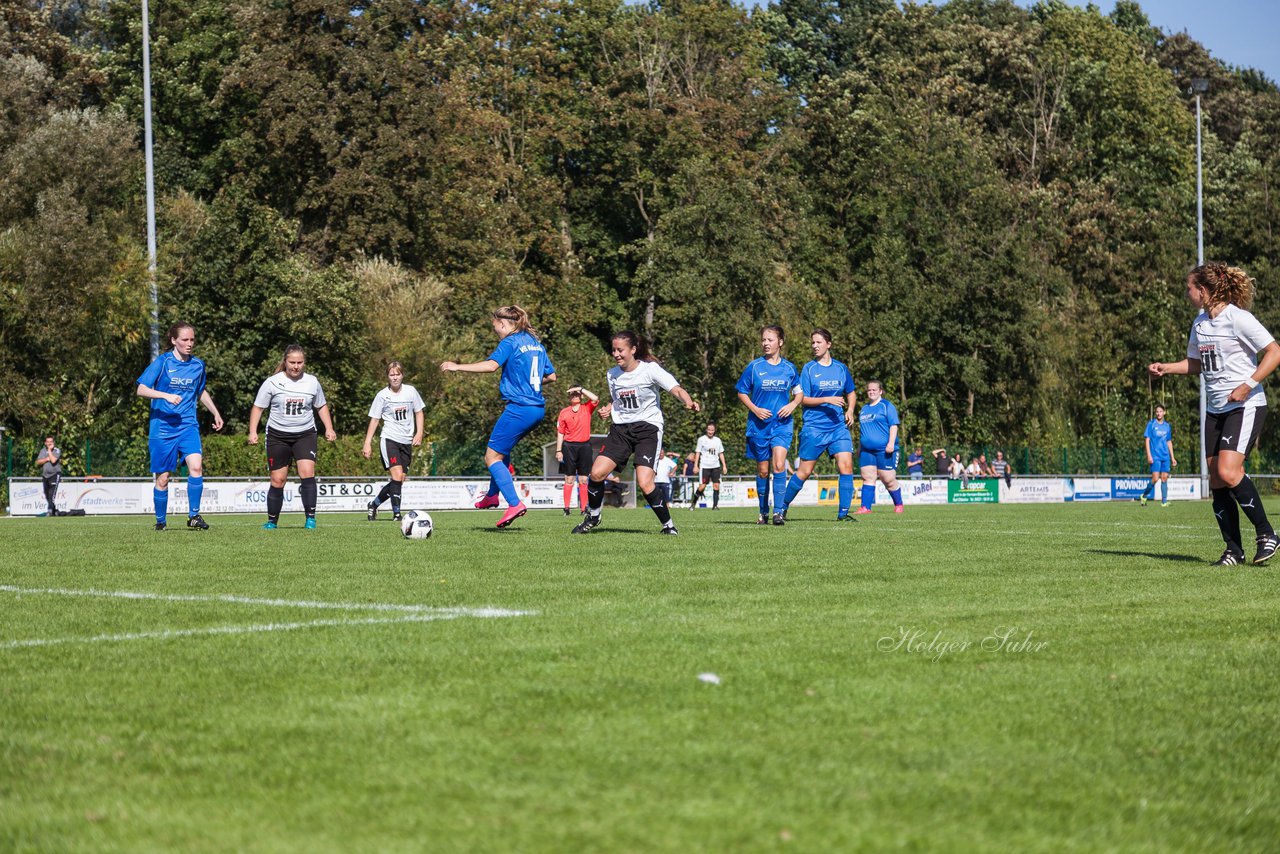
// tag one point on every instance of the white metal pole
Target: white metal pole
(151, 181)
(1204, 461)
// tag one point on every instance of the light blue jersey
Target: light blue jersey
(172, 375)
(769, 387)
(524, 363)
(1160, 433)
(818, 380)
(874, 421)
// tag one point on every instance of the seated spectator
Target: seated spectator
(973, 469)
(984, 466)
(1001, 468)
(915, 463)
(615, 491)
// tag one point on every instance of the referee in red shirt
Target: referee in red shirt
(573, 444)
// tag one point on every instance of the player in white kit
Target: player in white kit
(1234, 353)
(294, 399)
(399, 408)
(636, 412)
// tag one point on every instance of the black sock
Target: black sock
(395, 486)
(275, 501)
(715, 498)
(595, 496)
(697, 495)
(658, 506)
(307, 490)
(384, 494)
(1228, 516)
(1246, 495)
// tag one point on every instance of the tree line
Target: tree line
(993, 208)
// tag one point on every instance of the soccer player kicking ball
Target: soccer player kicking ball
(1225, 345)
(635, 407)
(174, 382)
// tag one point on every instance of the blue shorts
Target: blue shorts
(835, 441)
(760, 448)
(1159, 466)
(883, 460)
(515, 422)
(170, 445)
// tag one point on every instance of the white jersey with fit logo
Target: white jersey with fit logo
(396, 409)
(709, 451)
(291, 402)
(634, 396)
(1227, 347)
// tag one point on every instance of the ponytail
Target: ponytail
(515, 314)
(633, 339)
(289, 351)
(1226, 284)
(175, 329)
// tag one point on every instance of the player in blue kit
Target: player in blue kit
(770, 390)
(828, 401)
(525, 367)
(1159, 441)
(878, 448)
(174, 382)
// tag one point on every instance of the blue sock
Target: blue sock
(1164, 490)
(493, 484)
(762, 493)
(1150, 490)
(195, 489)
(844, 491)
(896, 495)
(505, 484)
(793, 489)
(779, 492)
(868, 495)
(161, 498)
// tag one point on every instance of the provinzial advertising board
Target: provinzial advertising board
(1131, 488)
(976, 491)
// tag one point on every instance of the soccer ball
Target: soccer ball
(416, 525)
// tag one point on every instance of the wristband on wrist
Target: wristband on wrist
(1251, 382)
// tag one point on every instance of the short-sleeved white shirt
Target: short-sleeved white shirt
(662, 471)
(291, 402)
(634, 396)
(1227, 347)
(709, 451)
(396, 409)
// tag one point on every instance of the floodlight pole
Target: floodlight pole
(151, 181)
(1199, 85)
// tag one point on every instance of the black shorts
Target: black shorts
(577, 459)
(711, 475)
(396, 454)
(641, 438)
(285, 448)
(1235, 430)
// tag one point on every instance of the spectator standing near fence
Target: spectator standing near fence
(662, 475)
(1234, 353)
(941, 462)
(50, 462)
(915, 463)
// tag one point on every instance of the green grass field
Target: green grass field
(1143, 714)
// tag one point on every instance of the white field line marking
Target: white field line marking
(410, 614)
(165, 634)
(273, 603)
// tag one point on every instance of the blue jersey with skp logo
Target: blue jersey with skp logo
(818, 380)
(769, 387)
(524, 363)
(1159, 432)
(874, 421)
(171, 375)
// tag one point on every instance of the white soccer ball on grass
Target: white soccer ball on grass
(416, 524)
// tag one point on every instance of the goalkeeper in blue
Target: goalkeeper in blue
(174, 383)
(770, 390)
(1159, 441)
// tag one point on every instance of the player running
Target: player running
(573, 445)
(525, 367)
(1159, 441)
(393, 406)
(294, 398)
(878, 448)
(770, 390)
(829, 401)
(635, 407)
(710, 464)
(174, 382)
(1224, 345)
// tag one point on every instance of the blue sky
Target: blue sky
(1239, 32)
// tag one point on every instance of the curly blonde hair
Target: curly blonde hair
(1225, 284)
